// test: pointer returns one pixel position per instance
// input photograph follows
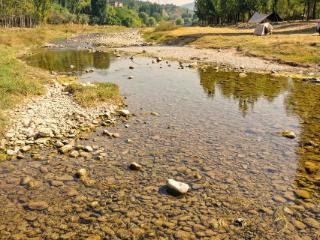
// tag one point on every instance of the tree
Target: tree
(99, 11)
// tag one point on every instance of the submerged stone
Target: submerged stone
(303, 193)
(38, 205)
(177, 188)
(288, 134)
(135, 166)
(124, 112)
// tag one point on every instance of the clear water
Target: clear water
(215, 131)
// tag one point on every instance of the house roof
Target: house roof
(258, 17)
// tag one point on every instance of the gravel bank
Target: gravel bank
(110, 40)
(228, 57)
(52, 115)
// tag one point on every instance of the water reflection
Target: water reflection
(69, 60)
(246, 90)
(304, 101)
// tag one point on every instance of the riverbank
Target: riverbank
(293, 44)
(19, 81)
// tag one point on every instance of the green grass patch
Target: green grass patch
(94, 94)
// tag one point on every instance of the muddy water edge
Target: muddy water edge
(215, 130)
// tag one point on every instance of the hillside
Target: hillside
(189, 6)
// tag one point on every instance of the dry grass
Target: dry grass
(295, 43)
(94, 94)
(17, 80)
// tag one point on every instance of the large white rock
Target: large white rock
(177, 187)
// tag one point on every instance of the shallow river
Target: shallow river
(215, 131)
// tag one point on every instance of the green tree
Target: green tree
(99, 11)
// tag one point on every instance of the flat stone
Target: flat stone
(288, 134)
(243, 75)
(311, 222)
(88, 149)
(135, 166)
(177, 187)
(74, 154)
(303, 193)
(124, 112)
(66, 148)
(38, 205)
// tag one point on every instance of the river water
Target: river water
(217, 132)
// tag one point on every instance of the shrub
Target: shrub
(165, 26)
(59, 15)
(179, 21)
(151, 22)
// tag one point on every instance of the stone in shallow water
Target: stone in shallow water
(176, 187)
(124, 112)
(135, 166)
(82, 173)
(38, 205)
(303, 193)
(66, 148)
(242, 75)
(311, 167)
(288, 134)
(311, 222)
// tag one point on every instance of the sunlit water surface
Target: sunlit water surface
(216, 131)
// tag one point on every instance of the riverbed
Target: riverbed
(213, 129)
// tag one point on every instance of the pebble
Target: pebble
(303, 193)
(66, 148)
(177, 187)
(38, 205)
(135, 166)
(243, 75)
(288, 134)
(82, 173)
(88, 149)
(124, 112)
(311, 222)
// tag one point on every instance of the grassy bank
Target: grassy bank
(295, 43)
(17, 80)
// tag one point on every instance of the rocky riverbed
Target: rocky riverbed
(218, 136)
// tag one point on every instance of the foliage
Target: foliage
(133, 14)
(179, 21)
(165, 26)
(232, 11)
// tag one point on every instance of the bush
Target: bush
(123, 16)
(179, 21)
(59, 15)
(165, 26)
(151, 22)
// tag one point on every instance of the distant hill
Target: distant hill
(189, 6)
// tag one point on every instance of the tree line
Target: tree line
(233, 11)
(29, 13)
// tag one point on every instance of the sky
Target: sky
(176, 2)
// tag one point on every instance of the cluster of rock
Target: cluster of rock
(111, 40)
(51, 117)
